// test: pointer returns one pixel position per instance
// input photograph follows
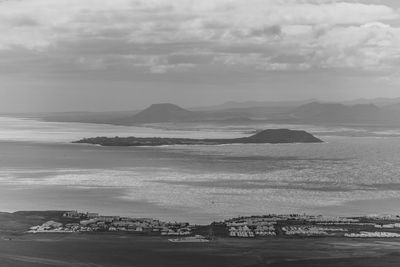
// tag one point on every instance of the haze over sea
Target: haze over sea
(356, 171)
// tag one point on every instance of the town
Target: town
(93, 222)
(267, 226)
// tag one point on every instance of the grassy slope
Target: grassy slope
(21, 221)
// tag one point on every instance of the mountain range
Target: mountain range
(338, 113)
(385, 113)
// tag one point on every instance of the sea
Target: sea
(356, 171)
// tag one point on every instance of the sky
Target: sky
(100, 55)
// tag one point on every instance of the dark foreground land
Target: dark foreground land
(272, 136)
(116, 249)
(84, 249)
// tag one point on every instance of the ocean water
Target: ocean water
(356, 171)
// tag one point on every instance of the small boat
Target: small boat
(189, 239)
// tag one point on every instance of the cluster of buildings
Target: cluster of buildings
(243, 227)
(50, 226)
(309, 230)
(364, 234)
(314, 218)
(387, 226)
(93, 222)
(241, 231)
(309, 225)
(384, 217)
(251, 227)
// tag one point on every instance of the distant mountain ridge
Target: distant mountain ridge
(253, 104)
(243, 112)
(163, 112)
(316, 112)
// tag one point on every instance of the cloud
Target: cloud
(160, 36)
(369, 46)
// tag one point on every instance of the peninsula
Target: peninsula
(271, 136)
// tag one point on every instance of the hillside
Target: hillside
(20, 221)
(277, 136)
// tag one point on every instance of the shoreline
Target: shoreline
(135, 250)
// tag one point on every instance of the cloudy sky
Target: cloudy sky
(125, 54)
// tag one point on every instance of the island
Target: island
(270, 136)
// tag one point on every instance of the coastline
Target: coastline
(134, 250)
